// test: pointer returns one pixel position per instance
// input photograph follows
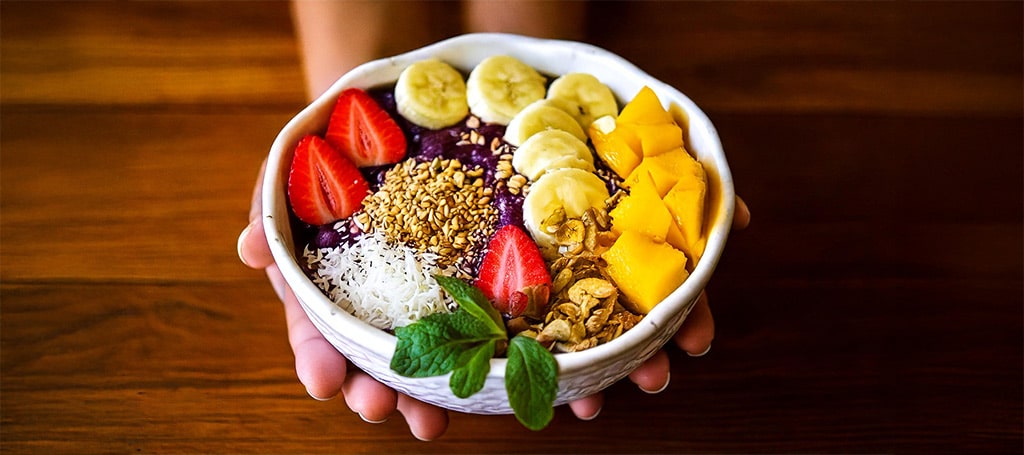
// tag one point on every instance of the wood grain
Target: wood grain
(874, 305)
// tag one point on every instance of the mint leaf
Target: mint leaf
(471, 299)
(531, 381)
(433, 345)
(474, 364)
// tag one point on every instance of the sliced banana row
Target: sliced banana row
(553, 153)
(434, 95)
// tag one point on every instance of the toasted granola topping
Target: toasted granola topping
(439, 207)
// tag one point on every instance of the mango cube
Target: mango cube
(657, 138)
(644, 109)
(619, 148)
(666, 169)
(642, 210)
(645, 271)
(685, 201)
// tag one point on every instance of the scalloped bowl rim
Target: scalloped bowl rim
(536, 52)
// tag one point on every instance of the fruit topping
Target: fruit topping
(541, 116)
(617, 147)
(645, 270)
(363, 132)
(686, 203)
(501, 86)
(323, 185)
(642, 211)
(513, 275)
(431, 94)
(583, 96)
(644, 109)
(550, 150)
(568, 192)
(666, 169)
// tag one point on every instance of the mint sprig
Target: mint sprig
(463, 343)
(434, 345)
(471, 299)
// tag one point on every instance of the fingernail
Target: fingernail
(318, 398)
(361, 416)
(668, 379)
(241, 239)
(701, 354)
(593, 416)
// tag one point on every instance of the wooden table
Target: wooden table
(874, 305)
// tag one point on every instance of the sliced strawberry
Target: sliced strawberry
(323, 185)
(363, 131)
(513, 274)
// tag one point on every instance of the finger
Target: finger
(319, 366)
(587, 408)
(698, 329)
(653, 375)
(373, 401)
(741, 217)
(256, 202)
(253, 249)
(426, 421)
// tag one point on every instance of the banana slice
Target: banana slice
(571, 190)
(501, 86)
(431, 94)
(541, 116)
(550, 150)
(583, 96)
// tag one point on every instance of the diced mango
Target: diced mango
(656, 139)
(645, 271)
(685, 201)
(675, 238)
(642, 210)
(617, 147)
(666, 169)
(644, 109)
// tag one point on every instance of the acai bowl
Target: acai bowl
(587, 367)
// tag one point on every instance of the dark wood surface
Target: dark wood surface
(874, 305)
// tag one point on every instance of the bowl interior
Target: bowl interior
(552, 58)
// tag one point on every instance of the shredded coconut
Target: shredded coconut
(385, 284)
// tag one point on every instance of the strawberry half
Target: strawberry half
(361, 130)
(323, 185)
(513, 274)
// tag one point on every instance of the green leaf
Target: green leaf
(433, 345)
(531, 381)
(471, 299)
(474, 364)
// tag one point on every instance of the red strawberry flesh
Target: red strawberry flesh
(513, 274)
(363, 131)
(323, 185)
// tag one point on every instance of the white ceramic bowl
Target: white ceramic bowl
(579, 374)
